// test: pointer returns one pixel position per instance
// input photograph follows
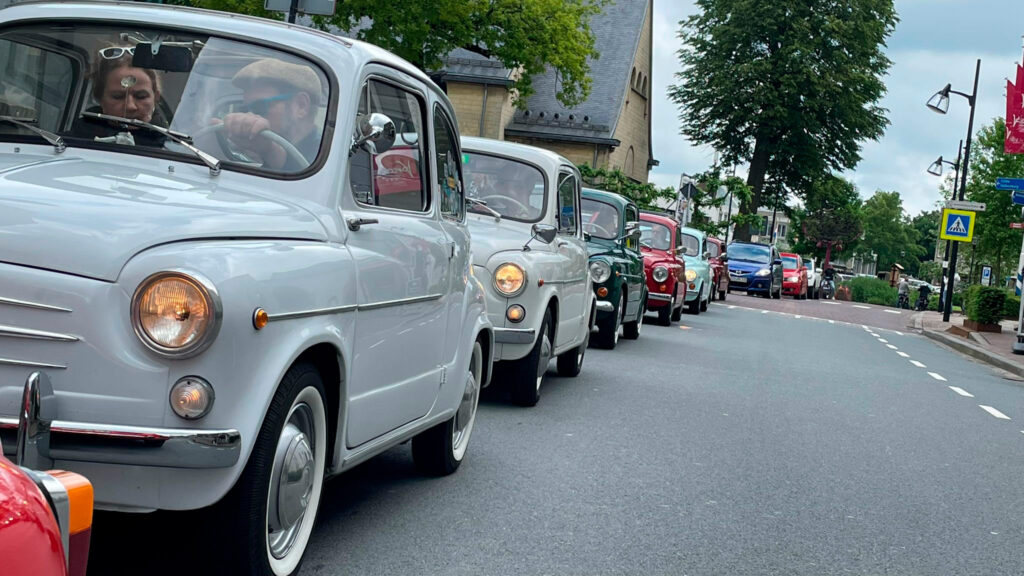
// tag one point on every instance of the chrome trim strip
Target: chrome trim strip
(14, 332)
(400, 302)
(573, 281)
(27, 304)
(514, 335)
(659, 297)
(12, 362)
(308, 313)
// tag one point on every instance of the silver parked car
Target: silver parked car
(235, 261)
(528, 244)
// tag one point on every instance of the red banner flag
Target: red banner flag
(1014, 119)
(1020, 77)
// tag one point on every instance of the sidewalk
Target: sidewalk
(993, 349)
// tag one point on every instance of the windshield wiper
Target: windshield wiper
(488, 209)
(184, 139)
(54, 140)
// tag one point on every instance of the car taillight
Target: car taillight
(79, 522)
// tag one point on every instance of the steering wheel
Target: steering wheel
(289, 148)
(523, 208)
(590, 227)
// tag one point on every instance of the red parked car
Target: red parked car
(45, 517)
(794, 275)
(719, 268)
(665, 269)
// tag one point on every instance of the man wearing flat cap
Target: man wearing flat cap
(281, 97)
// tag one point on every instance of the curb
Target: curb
(968, 349)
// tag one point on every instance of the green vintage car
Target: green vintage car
(611, 223)
(698, 270)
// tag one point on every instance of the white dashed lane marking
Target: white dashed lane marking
(891, 347)
(937, 376)
(918, 364)
(961, 391)
(994, 412)
(831, 321)
(892, 311)
(862, 307)
(883, 340)
(904, 354)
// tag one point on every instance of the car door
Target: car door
(572, 252)
(635, 267)
(402, 257)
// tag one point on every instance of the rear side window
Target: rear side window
(568, 211)
(449, 172)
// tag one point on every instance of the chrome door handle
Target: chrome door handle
(354, 224)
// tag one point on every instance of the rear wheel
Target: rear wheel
(608, 328)
(439, 450)
(527, 373)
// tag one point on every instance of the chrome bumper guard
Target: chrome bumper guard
(659, 297)
(42, 438)
(514, 335)
(605, 306)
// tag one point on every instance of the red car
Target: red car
(664, 268)
(794, 275)
(719, 268)
(45, 517)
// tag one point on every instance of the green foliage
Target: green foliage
(997, 244)
(646, 195)
(707, 197)
(1011, 308)
(887, 231)
(872, 291)
(926, 224)
(831, 214)
(524, 35)
(984, 304)
(790, 86)
(930, 271)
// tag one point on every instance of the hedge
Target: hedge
(872, 291)
(985, 304)
(1011, 308)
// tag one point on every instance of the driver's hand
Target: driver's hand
(243, 128)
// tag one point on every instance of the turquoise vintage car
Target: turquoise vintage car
(611, 223)
(698, 270)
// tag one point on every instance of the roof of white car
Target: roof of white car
(514, 150)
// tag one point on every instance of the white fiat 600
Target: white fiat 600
(528, 249)
(233, 260)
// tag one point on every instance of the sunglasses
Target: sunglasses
(262, 106)
(115, 52)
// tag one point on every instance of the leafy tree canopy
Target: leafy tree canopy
(524, 35)
(830, 220)
(646, 195)
(887, 231)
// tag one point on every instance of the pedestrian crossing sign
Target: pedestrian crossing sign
(957, 225)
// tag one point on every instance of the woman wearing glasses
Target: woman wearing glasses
(122, 90)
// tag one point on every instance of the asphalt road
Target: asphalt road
(743, 442)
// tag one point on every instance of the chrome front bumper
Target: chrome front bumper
(605, 306)
(660, 297)
(41, 438)
(514, 335)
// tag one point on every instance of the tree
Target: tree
(887, 231)
(646, 195)
(926, 224)
(997, 245)
(708, 184)
(524, 35)
(790, 86)
(830, 219)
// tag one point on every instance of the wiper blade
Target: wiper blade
(482, 204)
(181, 138)
(27, 123)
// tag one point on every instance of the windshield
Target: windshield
(691, 245)
(244, 104)
(657, 236)
(790, 263)
(809, 265)
(513, 189)
(600, 220)
(748, 253)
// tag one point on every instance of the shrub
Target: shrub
(1012, 306)
(985, 304)
(872, 291)
(933, 302)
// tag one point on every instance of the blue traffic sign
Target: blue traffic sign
(957, 225)
(1015, 184)
(1018, 198)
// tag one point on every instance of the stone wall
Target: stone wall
(634, 127)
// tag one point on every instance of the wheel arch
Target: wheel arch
(329, 362)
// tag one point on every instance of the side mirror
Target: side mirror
(724, 257)
(587, 236)
(706, 255)
(545, 232)
(377, 129)
(777, 262)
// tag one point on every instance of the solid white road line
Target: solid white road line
(862, 307)
(918, 364)
(892, 311)
(904, 354)
(937, 376)
(891, 347)
(994, 412)
(961, 391)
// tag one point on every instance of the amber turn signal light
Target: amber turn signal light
(515, 313)
(602, 291)
(260, 319)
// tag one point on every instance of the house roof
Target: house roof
(465, 66)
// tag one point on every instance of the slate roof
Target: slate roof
(465, 66)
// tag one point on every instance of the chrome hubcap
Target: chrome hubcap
(467, 408)
(291, 482)
(545, 357)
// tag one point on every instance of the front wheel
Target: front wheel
(608, 328)
(438, 451)
(705, 303)
(665, 313)
(631, 330)
(677, 313)
(527, 373)
(571, 363)
(721, 294)
(268, 516)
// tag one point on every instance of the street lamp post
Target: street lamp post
(936, 170)
(939, 102)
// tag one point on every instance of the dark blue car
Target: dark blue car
(755, 268)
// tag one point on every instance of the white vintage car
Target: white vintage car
(236, 252)
(528, 249)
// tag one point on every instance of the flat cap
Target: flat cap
(298, 76)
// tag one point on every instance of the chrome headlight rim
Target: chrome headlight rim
(213, 302)
(605, 268)
(659, 273)
(522, 287)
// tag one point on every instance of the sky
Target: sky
(935, 42)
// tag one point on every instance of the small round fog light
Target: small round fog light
(515, 313)
(191, 397)
(602, 291)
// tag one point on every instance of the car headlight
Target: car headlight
(793, 279)
(509, 279)
(176, 314)
(660, 273)
(764, 272)
(691, 275)
(600, 271)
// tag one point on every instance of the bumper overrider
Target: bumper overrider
(42, 438)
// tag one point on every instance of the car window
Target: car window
(632, 215)
(514, 189)
(393, 178)
(35, 84)
(567, 209)
(600, 220)
(790, 263)
(715, 249)
(655, 235)
(809, 265)
(449, 172)
(691, 245)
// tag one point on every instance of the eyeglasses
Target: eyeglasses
(115, 52)
(262, 106)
